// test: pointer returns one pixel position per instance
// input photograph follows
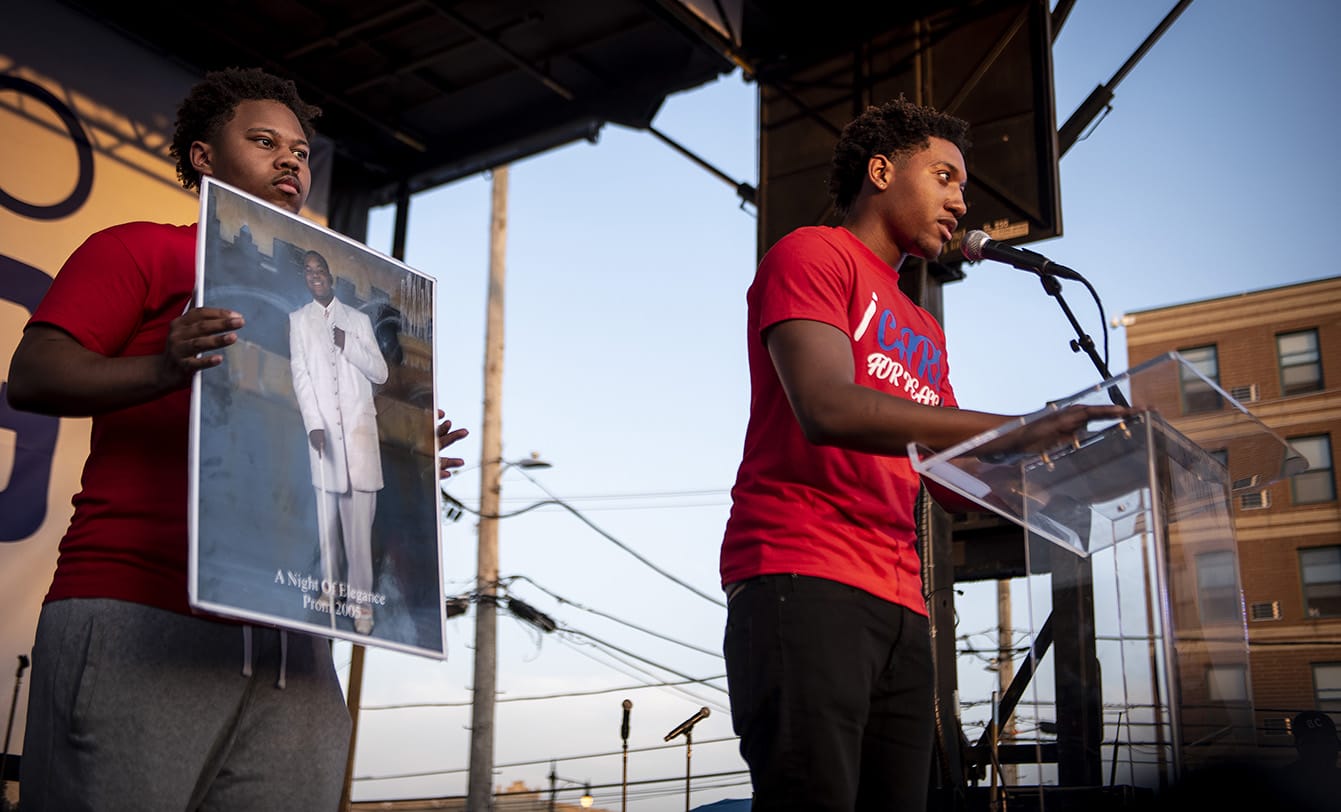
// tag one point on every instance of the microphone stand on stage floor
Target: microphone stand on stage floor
(977, 246)
(687, 728)
(624, 734)
(9, 729)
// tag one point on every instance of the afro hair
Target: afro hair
(896, 128)
(211, 104)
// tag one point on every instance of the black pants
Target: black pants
(831, 694)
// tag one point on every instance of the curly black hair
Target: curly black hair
(212, 102)
(896, 128)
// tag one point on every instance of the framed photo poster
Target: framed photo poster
(313, 469)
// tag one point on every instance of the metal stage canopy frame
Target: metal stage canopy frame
(419, 93)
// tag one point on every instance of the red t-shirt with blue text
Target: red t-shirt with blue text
(821, 511)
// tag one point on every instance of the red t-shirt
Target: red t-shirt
(116, 295)
(818, 510)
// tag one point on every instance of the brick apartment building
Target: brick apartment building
(1277, 351)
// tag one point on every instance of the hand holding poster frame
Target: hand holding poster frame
(314, 498)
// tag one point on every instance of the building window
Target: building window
(1198, 395)
(1300, 362)
(1227, 683)
(1327, 688)
(1320, 569)
(1218, 588)
(1316, 484)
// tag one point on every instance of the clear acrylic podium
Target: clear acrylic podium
(1132, 522)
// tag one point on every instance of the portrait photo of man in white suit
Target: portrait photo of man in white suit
(336, 362)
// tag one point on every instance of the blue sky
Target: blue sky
(625, 359)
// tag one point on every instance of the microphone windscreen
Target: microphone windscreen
(973, 244)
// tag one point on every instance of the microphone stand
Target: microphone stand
(688, 754)
(1043, 640)
(1082, 342)
(624, 780)
(9, 729)
(687, 728)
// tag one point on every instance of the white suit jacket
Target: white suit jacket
(334, 391)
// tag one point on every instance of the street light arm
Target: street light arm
(585, 801)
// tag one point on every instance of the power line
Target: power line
(546, 624)
(663, 500)
(620, 544)
(649, 793)
(678, 778)
(646, 781)
(680, 506)
(643, 789)
(720, 491)
(611, 497)
(608, 616)
(538, 697)
(623, 667)
(627, 653)
(547, 760)
(627, 665)
(554, 500)
(467, 508)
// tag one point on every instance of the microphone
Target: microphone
(978, 246)
(624, 727)
(688, 724)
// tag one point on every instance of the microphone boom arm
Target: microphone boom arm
(1082, 342)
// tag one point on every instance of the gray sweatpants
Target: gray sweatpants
(136, 708)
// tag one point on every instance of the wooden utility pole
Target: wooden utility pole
(480, 791)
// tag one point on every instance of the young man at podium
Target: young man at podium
(827, 642)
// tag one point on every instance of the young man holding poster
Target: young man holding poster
(135, 701)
